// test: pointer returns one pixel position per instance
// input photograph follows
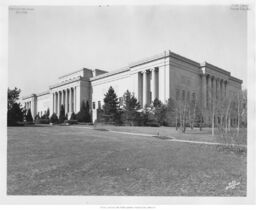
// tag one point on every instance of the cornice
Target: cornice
(68, 82)
(210, 66)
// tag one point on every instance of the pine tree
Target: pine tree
(54, 118)
(111, 105)
(130, 101)
(15, 113)
(47, 114)
(62, 116)
(73, 116)
(131, 105)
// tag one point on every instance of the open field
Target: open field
(70, 160)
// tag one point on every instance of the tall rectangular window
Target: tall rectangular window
(99, 104)
(183, 95)
(194, 96)
(177, 94)
(188, 96)
(93, 105)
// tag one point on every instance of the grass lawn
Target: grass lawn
(63, 160)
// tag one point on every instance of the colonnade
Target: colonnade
(27, 105)
(65, 97)
(213, 88)
(148, 86)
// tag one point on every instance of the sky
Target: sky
(46, 42)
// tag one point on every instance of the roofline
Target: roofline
(149, 59)
(187, 60)
(110, 74)
(236, 79)
(73, 73)
(206, 64)
(67, 82)
(28, 96)
(43, 93)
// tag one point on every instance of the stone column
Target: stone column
(153, 84)
(221, 89)
(66, 101)
(53, 102)
(144, 100)
(140, 88)
(57, 102)
(62, 98)
(63, 101)
(148, 87)
(204, 89)
(75, 100)
(225, 88)
(70, 101)
(78, 98)
(157, 82)
(214, 89)
(218, 89)
(209, 90)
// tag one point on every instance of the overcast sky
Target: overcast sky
(47, 42)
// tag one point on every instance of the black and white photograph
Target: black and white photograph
(136, 101)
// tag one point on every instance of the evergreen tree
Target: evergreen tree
(62, 116)
(47, 114)
(157, 103)
(13, 97)
(131, 105)
(84, 113)
(130, 101)
(111, 103)
(29, 117)
(73, 116)
(54, 118)
(14, 113)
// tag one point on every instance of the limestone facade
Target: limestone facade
(162, 76)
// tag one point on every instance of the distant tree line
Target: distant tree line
(180, 113)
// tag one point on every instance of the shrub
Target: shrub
(153, 123)
(71, 122)
(54, 118)
(42, 121)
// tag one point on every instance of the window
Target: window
(188, 96)
(194, 96)
(93, 105)
(183, 95)
(99, 104)
(177, 94)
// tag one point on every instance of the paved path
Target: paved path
(169, 138)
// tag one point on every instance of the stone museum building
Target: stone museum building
(162, 76)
